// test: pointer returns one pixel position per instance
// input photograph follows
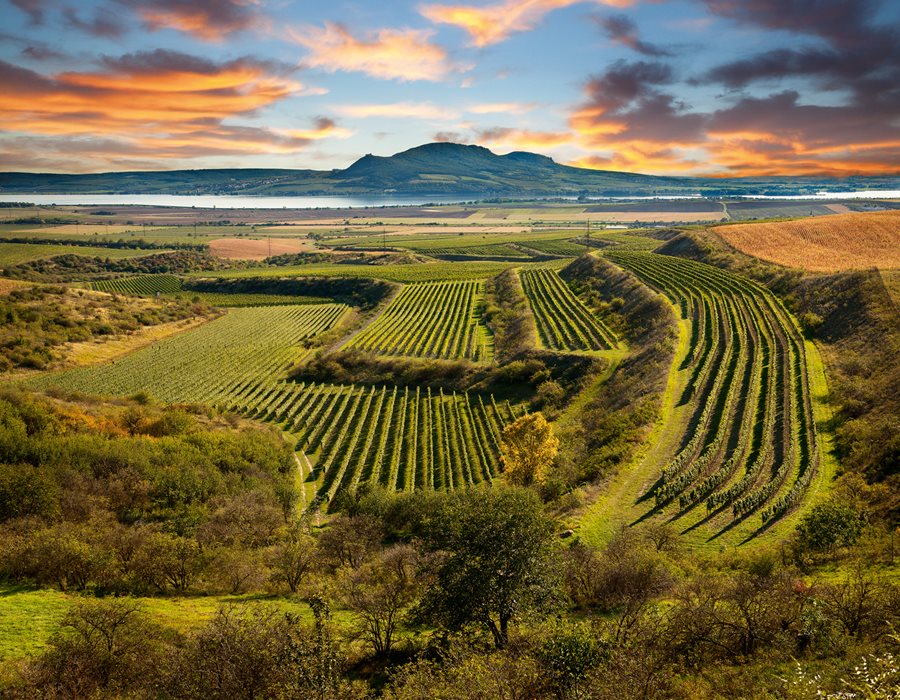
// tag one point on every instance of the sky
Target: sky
(670, 87)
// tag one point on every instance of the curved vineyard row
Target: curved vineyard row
(431, 319)
(401, 438)
(563, 322)
(750, 446)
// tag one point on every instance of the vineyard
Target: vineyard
(402, 438)
(563, 322)
(750, 445)
(211, 363)
(172, 285)
(141, 285)
(435, 320)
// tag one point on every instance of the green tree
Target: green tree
(495, 560)
(828, 526)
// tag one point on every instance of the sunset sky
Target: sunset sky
(700, 87)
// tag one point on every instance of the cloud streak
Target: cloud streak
(157, 104)
(622, 30)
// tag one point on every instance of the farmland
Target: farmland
(209, 364)
(823, 244)
(397, 437)
(437, 320)
(563, 321)
(18, 253)
(173, 286)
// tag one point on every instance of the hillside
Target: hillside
(433, 169)
(824, 244)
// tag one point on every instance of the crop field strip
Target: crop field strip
(171, 286)
(430, 319)
(563, 321)
(140, 285)
(398, 437)
(18, 253)
(401, 438)
(751, 445)
(205, 365)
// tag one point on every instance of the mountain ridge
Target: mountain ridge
(437, 168)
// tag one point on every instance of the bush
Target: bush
(829, 526)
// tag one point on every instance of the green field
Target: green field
(18, 253)
(426, 272)
(172, 286)
(431, 319)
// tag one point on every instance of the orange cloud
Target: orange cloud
(178, 108)
(210, 20)
(494, 23)
(401, 54)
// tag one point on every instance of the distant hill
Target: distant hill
(434, 168)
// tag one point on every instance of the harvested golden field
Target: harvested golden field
(823, 243)
(253, 249)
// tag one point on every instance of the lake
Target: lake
(344, 202)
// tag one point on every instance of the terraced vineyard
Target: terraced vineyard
(750, 446)
(563, 322)
(401, 438)
(563, 247)
(431, 319)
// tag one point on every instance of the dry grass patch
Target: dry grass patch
(824, 243)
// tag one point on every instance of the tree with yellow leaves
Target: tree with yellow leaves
(527, 449)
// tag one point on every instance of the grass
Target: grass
(18, 253)
(29, 616)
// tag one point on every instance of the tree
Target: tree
(528, 447)
(495, 560)
(828, 526)
(292, 559)
(102, 645)
(379, 592)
